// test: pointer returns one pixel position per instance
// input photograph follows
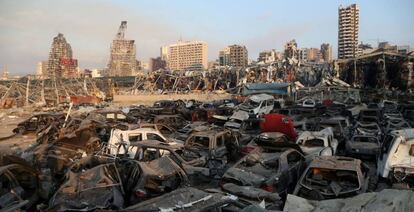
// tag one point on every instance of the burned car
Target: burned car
(39, 122)
(367, 145)
(189, 199)
(88, 189)
(145, 180)
(214, 144)
(266, 139)
(319, 143)
(19, 187)
(173, 121)
(269, 169)
(395, 162)
(329, 177)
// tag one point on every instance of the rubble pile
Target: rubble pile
(268, 147)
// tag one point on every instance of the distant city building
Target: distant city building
(122, 60)
(5, 75)
(269, 56)
(403, 49)
(189, 55)
(326, 52)
(365, 48)
(385, 46)
(348, 29)
(156, 64)
(213, 64)
(41, 69)
(310, 55)
(234, 55)
(96, 73)
(164, 53)
(61, 62)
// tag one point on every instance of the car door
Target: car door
(218, 145)
(295, 163)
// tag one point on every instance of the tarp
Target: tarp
(269, 88)
(386, 200)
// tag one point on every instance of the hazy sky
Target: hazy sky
(28, 27)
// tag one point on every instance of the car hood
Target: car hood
(244, 177)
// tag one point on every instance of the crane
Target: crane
(121, 31)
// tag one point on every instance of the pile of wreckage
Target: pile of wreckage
(322, 151)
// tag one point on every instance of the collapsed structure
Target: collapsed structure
(61, 62)
(122, 61)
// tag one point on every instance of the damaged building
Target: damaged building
(61, 62)
(122, 61)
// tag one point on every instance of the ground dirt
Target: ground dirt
(149, 99)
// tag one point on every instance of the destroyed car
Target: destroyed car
(272, 170)
(395, 162)
(115, 116)
(173, 121)
(120, 140)
(258, 104)
(19, 187)
(197, 168)
(329, 177)
(99, 187)
(264, 139)
(39, 122)
(189, 199)
(319, 143)
(214, 144)
(145, 180)
(367, 145)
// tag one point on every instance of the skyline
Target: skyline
(27, 31)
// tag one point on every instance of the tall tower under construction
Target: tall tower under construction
(122, 61)
(61, 62)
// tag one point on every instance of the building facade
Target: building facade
(122, 61)
(234, 55)
(326, 52)
(61, 62)
(156, 64)
(189, 55)
(348, 29)
(269, 56)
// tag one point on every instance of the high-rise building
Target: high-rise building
(61, 62)
(122, 61)
(310, 55)
(156, 64)
(234, 55)
(326, 52)
(189, 55)
(348, 28)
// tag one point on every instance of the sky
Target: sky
(27, 27)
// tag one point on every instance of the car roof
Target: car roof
(336, 162)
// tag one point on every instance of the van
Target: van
(258, 104)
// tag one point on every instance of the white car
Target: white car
(119, 142)
(258, 104)
(318, 143)
(396, 160)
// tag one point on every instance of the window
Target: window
(121, 116)
(201, 141)
(152, 136)
(314, 143)
(135, 137)
(220, 141)
(110, 116)
(411, 150)
(293, 158)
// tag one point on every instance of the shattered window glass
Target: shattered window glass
(121, 116)
(314, 143)
(201, 141)
(152, 136)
